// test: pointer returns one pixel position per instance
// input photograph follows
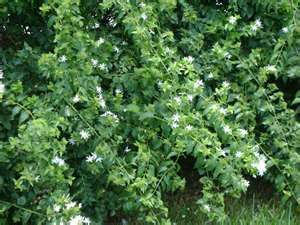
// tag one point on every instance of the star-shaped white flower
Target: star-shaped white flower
(59, 161)
(189, 59)
(206, 207)
(99, 42)
(144, 16)
(76, 98)
(177, 99)
(176, 117)
(190, 98)
(127, 149)
(62, 59)
(243, 132)
(226, 84)
(245, 183)
(227, 129)
(99, 90)
(210, 76)
(198, 84)
(223, 111)
(238, 154)
(56, 208)
(93, 158)
(271, 68)
(102, 66)
(94, 62)
(174, 125)
(232, 20)
(84, 135)
(285, 30)
(188, 127)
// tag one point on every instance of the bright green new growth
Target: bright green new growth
(101, 99)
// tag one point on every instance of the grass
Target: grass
(258, 207)
(244, 211)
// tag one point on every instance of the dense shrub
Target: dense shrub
(100, 100)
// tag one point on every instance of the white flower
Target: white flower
(84, 135)
(101, 101)
(102, 66)
(226, 84)
(127, 149)
(37, 178)
(118, 91)
(188, 127)
(142, 5)
(285, 30)
(79, 220)
(96, 25)
(227, 55)
(76, 98)
(210, 76)
(190, 98)
(257, 25)
(72, 142)
(70, 205)
(93, 158)
(94, 62)
(238, 154)
(271, 69)
(116, 49)
(245, 183)
(111, 22)
(1, 74)
(232, 20)
(227, 129)
(223, 111)
(261, 165)
(99, 42)
(62, 59)
(174, 125)
(58, 161)
(243, 132)
(176, 117)
(108, 113)
(189, 59)
(198, 84)
(223, 152)
(56, 208)
(177, 99)
(99, 90)
(160, 83)
(87, 220)
(2, 88)
(206, 207)
(144, 16)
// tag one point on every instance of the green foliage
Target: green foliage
(101, 99)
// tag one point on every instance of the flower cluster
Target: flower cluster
(256, 25)
(79, 220)
(111, 114)
(59, 161)
(100, 97)
(260, 164)
(93, 157)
